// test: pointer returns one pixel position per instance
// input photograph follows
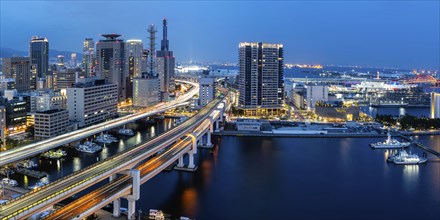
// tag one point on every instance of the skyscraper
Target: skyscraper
(165, 65)
(133, 63)
(261, 83)
(20, 69)
(39, 53)
(88, 58)
(110, 62)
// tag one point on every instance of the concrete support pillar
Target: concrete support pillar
(180, 163)
(208, 139)
(112, 178)
(131, 208)
(117, 208)
(191, 160)
(217, 122)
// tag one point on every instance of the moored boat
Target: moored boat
(390, 143)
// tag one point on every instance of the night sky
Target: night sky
(369, 33)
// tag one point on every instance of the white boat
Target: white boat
(404, 158)
(126, 131)
(37, 185)
(54, 154)
(9, 182)
(88, 147)
(28, 164)
(390, 143)
(106, 139)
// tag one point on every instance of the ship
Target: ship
(126, 131)
(9, 182)
(88, 147)
(106, 139)
(390, 104)
(54, 154)
(28, 164)
(389, 143)
(404, 158)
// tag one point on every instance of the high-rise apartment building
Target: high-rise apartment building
(92, 101)
(207, 89)
(133, 63)
(165, 65)
(39, 54)
(110, 62)
(20, 69)
(435, 105)
(261, 83)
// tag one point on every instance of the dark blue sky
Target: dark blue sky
(376, 33)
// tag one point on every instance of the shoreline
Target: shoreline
(328, 135)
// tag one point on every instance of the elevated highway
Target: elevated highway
(20, 153)
(43, 198)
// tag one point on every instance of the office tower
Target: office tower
(110, 62)
(261, 83)
(64, 78)
(16, 112)
(165, 65)
(133, 64)
(20, 69)
(146, 91)
(39, 53)
(316, 93)
(88, 58)
(73, 60)
(50, 123)
(435, 105)
(207, 89)
(92, 101)
(60, 60)
(6, 84)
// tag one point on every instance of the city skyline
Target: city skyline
(401, 34)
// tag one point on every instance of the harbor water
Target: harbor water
(279, 178)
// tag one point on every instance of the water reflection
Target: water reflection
(189, 200)
(410, 177)
(76, 164)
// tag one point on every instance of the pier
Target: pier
(418, 144)
(31, 173)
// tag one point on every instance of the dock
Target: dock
(418, 144)
(31, 173)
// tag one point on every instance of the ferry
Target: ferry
(106, 139)
(37, 185)
(28, 164)
(54, 154)
(9, 182)
(390, 143)
(88, 147)
(404, 158)
(126, 131)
